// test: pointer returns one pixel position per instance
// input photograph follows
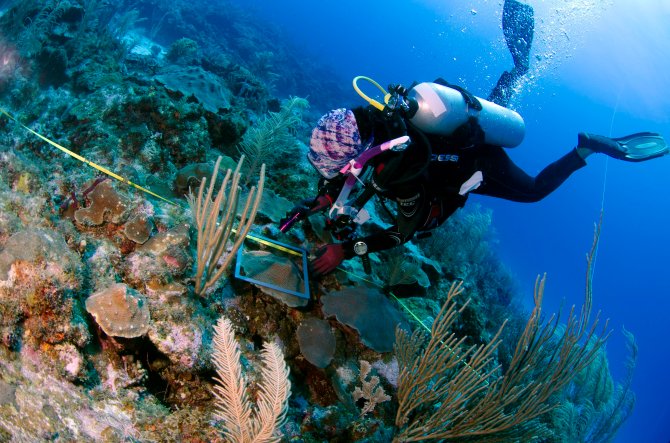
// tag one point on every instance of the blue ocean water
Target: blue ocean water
(598, 66)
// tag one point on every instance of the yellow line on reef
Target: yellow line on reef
(86, 161)
(125, 180)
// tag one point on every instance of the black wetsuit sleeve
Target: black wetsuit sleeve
(504, 179)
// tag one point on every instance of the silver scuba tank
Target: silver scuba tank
(442, 109)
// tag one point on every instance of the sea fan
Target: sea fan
(241, 422)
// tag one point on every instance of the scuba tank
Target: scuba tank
(440, 108)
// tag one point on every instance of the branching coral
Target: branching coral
(266, 138)
(370, 390)
(473, 401)
(215, 219)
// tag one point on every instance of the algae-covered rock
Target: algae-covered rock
(103, 261)
(39, 277)
(183, 51)
(207, 88)
(182, 343)
(163, 256)
(33, 245)
(179, 326)
(36, 405)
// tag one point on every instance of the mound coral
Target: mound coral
(120, 311)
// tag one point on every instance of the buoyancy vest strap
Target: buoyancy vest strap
(469, 98)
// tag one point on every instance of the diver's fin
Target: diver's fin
(518, 23)
(636, 147)
(643, 146)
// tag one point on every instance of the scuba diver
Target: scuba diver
(428, 147)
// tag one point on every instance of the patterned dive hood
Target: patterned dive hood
(335, 141)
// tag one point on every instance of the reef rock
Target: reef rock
(163, 256)
(40, 245)
(206, 87)
(179, 326)
(39, 276)
(183, 344)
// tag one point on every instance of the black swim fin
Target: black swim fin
(636, 147)
(518, 22)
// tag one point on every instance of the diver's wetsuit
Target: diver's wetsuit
(427, 195)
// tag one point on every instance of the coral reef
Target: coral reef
(109, 294)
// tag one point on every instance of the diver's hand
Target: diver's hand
(312, 205)
(328, 258)
(319, 204)
(302, 210)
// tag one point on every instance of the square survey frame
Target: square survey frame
(281, 247)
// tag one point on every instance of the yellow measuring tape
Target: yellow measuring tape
(84, 160)
(273, 245)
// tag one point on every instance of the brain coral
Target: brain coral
(120, 311)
